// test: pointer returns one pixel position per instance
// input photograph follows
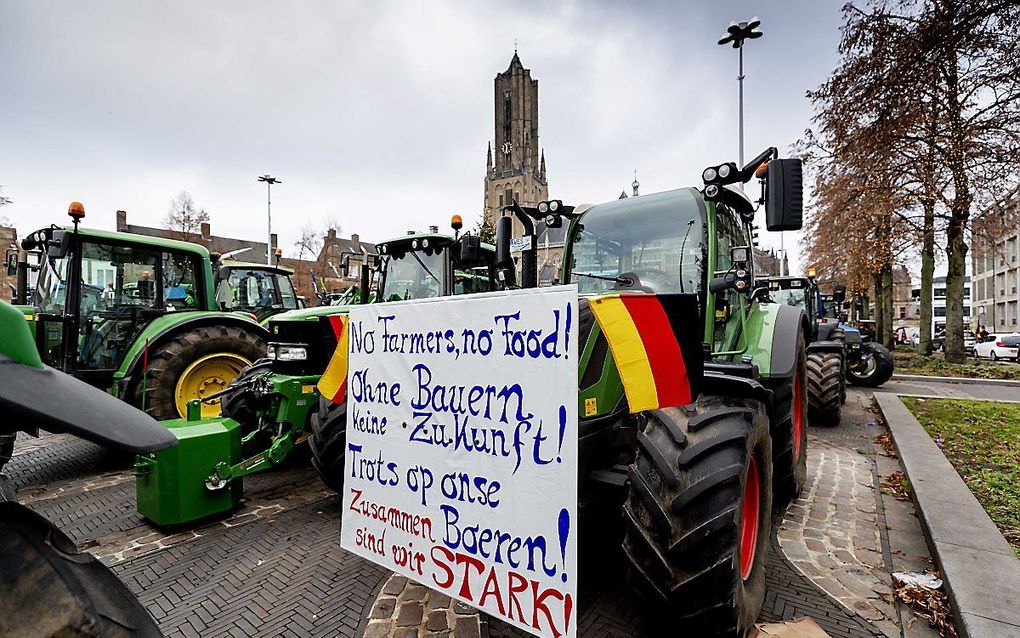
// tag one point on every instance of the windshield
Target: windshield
(413, 275)
(796, 297)
(254, 290)
(652, 243)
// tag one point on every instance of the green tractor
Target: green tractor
(261, 290)
(276, 400)
(826, 356)
(695, 483)
(136, 316)
(49, 587)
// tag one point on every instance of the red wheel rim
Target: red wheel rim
(798, 414)
(749, 519)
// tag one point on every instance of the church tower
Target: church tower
(515, 164)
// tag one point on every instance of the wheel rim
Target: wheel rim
(207, 376)
(798, 413)
(749, 519)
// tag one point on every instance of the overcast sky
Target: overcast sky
(378, 113)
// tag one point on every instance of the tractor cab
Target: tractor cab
(422, 266)
(799, 292)
(96, 290)
(261, 290)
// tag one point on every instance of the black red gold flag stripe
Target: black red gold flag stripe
(333, 382)
(656, 344)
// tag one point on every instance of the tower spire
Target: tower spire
(488, 158)
(541, 170)
(635, 184)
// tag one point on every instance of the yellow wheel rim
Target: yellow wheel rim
(207, 376)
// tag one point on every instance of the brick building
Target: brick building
(517, 171)
(327, 265)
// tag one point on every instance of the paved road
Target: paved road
(275, 567)
(955, 390)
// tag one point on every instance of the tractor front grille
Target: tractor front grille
(317, 337)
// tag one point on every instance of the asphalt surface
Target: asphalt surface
(990, 391)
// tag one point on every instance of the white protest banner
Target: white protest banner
(461, 467)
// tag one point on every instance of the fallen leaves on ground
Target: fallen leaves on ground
(897, 485)
(930, 604)
(885, 440)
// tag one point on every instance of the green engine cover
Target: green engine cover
(170, 484)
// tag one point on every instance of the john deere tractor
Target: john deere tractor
(276, 402)
(826, 358)
(134, 315)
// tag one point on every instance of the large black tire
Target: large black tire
(789, 430)
(52, 589)
(171, 358)
(684, 513)
(824, 387)
(328, 442)
(879, 368)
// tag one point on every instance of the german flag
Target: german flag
(333, 382)
(656, 344)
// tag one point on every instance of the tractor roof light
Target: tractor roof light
(555, 205)
(724, 171)
(425, 243)
(543, 207)
(76, 211)
(811, 273)
(709, 175)
(762, 171)
(414, 244)
(456, 222)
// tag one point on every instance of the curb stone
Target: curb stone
(979, 567)
(961, 380)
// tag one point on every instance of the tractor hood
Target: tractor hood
(34, 395)
(308, 314)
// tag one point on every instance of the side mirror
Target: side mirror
(223, 272)
(12, 263)
(784, 195)
(470, 247)
(839, 293)
(58, 245)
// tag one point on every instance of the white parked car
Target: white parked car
(998, 346)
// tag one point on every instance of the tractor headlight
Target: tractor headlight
(414, 244)
(709, 175)
(554, 206)
(425, 243)
(543, 207)
(287, 352)
(724, 171)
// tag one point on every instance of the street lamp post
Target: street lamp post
(269, 180)
(735, 34)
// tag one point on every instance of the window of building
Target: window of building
(903, 312)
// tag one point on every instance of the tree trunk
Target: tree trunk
(880, 317)
(956, 241)
(927, 273)
(887, 307)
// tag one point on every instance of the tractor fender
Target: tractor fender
(825, 346)
(789, 322)
(170, 325)
(722, 384)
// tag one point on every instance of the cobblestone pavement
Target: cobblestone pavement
(840, 579)
(274, 567)
(831, 534)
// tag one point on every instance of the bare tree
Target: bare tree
(184, 219)
(486, 229)
(312, 237)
